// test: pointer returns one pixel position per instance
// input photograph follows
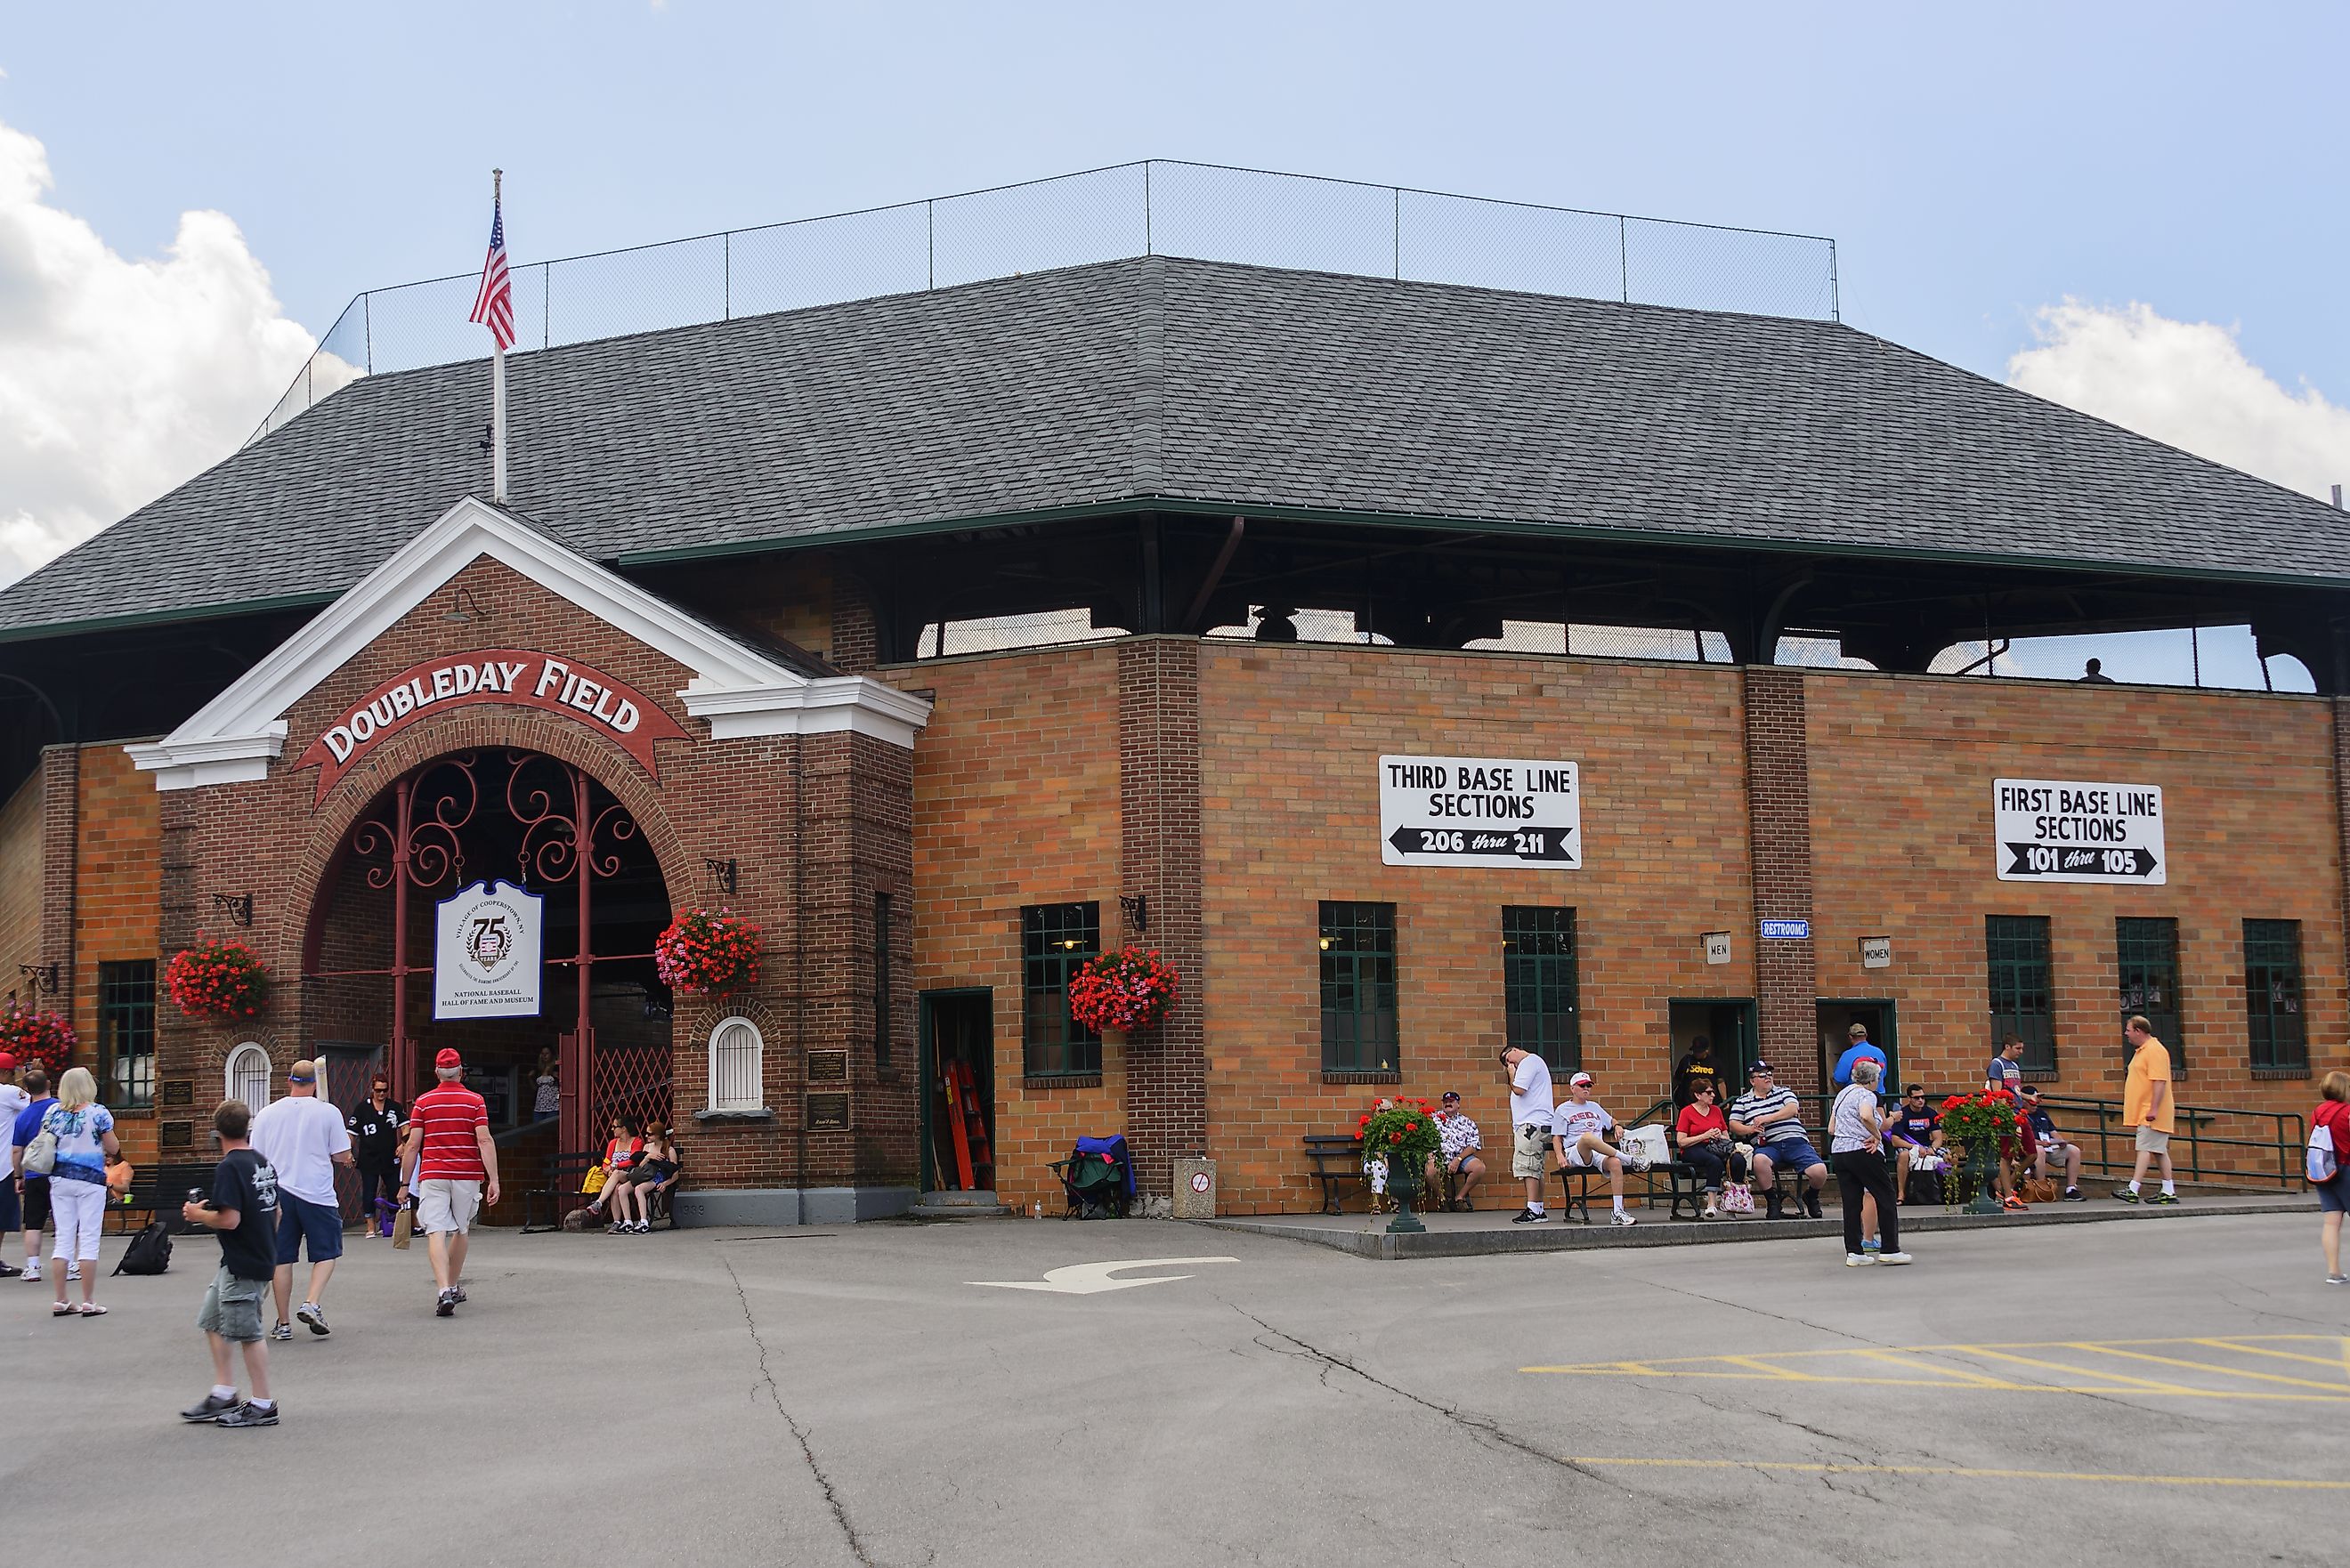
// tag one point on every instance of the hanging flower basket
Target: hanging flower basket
(217, 979)
(1127, 990)
(36, 1039)
(702, 952)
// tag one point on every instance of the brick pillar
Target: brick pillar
(60, 854)
(1158, 810)
(1779, 824)
(2342, 802)
(855, 630)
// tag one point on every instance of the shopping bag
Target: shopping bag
(595, 1182)
(1737, 1198)
(1648, 1143)
(402, 1224)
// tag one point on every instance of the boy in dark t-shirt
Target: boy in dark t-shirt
(243, 1212)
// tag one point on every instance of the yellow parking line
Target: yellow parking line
(1782, 1373)
(2208, 1366)
(2141, 1384)
(2269, 1482)
(1972, 1379)
(2279, 1355)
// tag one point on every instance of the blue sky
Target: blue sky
(1976, 163)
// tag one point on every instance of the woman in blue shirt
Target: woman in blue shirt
(84, 1131)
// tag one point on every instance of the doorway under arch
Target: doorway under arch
(550, 828)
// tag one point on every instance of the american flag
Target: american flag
(493, 307)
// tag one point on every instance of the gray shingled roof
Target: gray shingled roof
(1244, 387)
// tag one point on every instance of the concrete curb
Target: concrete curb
(1558, 1237)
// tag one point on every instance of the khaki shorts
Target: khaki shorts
(1526, 1155)
(2151, 1140)
(442, 1206)
(231, 1307)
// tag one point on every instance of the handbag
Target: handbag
(595, 1182)
(41, 1154)
(1737, 1198)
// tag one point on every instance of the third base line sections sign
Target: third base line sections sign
(2069, 830)
(1479, 811)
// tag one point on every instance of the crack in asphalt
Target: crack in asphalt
(1482, 1427)
(799, 1433)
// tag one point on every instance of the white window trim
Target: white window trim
(229, 1075)
(759, 1066)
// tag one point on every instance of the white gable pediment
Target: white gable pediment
(738, 689)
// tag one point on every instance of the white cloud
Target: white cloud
(120, 377)
(2187, 383)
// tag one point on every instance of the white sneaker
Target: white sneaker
(1620, 1217)
(1859, 1260)
(73, 1272)
(1893, 1258)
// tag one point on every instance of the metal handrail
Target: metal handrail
(2288, 1133)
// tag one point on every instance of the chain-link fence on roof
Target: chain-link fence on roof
(1155, 208)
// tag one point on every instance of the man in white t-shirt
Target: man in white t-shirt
(303, 1137)
(1583, 1124)
(1530, 1123)
(13, 1101)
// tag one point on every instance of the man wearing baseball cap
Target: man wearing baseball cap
(1583, 1124)
(1458, 1150)
(456, 1165)
(13, 1102)
(1771, 1117)
(301, 1136)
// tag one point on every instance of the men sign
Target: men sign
(2073, 830)
(1479, 811)
(485, 962)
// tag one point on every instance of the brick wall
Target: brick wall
(1901, 772)
(740, 800)
(1779, 819)
(20, 883)
(116, 883)
(1016, 802)
(1159, 807)
(1290, 738)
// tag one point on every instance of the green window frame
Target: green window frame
(1541, 992)
(2023, 987)
(2145, 951)
(1358, 988)
(1054, 939)
(126, 1034)
(2272, 1002)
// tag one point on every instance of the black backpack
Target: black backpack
(149, 1251)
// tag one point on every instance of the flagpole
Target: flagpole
(497, 378)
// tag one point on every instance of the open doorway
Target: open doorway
(1728, 1022)
(957, 1036)
(1837, 1019)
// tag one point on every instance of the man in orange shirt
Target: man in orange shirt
(2147, 1105)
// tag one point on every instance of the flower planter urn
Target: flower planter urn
(1403, 1185)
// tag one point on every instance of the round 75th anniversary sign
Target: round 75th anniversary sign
(1479, 811)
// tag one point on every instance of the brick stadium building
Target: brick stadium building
(717, 630)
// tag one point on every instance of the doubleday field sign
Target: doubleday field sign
(2073, 830)
(1479, 811)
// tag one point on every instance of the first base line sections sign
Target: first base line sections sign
(2069, 830)
(1479, 811)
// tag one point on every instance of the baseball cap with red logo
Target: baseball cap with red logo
(1580, 1081)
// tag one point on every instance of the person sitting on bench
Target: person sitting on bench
(2049, 1147)
(1773, 1119)
(1457, 1156)
(1701, 1133)
(1579, 1133)
(620, 1155)
(1913, 1133)
(632, 1190)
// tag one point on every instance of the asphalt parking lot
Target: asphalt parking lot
(901, 1393)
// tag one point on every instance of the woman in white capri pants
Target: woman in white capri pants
(85, 1133)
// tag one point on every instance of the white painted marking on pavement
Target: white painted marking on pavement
(1092, 1279)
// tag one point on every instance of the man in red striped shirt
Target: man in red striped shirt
(452, 1159)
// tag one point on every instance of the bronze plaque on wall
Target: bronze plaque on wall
(177, 1135)
(179, 1090)
(827, 1112)
(827, 1066)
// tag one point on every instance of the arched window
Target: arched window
(248, 1076)
(735, 1052)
